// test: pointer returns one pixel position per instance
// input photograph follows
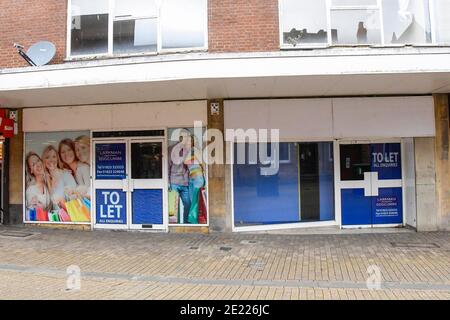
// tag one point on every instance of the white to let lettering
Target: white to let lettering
(110, 208)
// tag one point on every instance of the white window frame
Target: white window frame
(111, 19)
(379, 7)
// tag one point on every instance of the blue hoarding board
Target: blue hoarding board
(356, 208)
(110, 161)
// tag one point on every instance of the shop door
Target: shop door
(129, 184)
(146, 184)
(371, 184)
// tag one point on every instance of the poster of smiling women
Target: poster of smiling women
(57, 177)
(187, 177)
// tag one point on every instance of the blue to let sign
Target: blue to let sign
(111, 206)
(110, 161)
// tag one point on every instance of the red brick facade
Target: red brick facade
(30, 21)
(234, 26)
(243, 25)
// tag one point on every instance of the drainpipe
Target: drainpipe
(5, 183)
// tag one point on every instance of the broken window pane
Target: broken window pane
(183, 23)
(406, 21)
(356, 26)
(89, 27)
(304, 22)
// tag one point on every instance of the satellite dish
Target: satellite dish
(39, 54)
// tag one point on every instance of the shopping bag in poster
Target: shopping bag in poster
(71, 210)
(42, 215)
(202, 207)
(32, 214)
(87, 203)
(85, 214)
(174, 200)
(77, 211)
(53, 216)
(64, 216)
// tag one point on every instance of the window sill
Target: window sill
(132, 55)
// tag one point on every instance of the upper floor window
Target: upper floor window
(102, 27)
(364, 22)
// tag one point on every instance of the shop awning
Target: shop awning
(318, 73)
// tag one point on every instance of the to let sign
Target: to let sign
(111, 206)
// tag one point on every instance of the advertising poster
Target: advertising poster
(110, 161)
(187, 177)
(57, 177)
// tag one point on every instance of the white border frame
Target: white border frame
(110, 53)
(24, 206)
(379, 7)
(206, 173)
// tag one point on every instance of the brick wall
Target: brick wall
(243, 25)
(29, 21)
(234, 26)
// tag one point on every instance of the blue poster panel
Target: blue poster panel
(386, 160)
(387, 208)
(356, 207)
(111, 206)
(147, 206)
(110, 161)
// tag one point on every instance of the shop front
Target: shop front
(332, 169)
(106, 169)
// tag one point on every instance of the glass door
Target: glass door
(355, 169)
(147, 185)
(371, 184)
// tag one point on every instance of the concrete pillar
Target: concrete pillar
(220, 219)
(441, 104)
(425, 184)
(16, 171)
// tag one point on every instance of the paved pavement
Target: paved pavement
(124, 265)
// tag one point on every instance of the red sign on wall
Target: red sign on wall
(7, 128)
(6, 125)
